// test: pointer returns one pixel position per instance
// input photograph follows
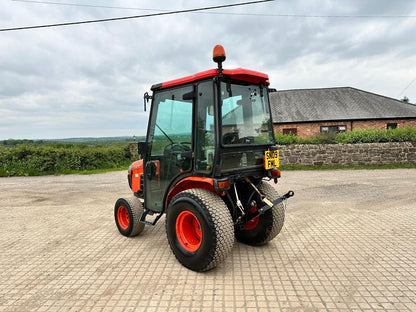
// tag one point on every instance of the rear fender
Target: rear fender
(190, 183)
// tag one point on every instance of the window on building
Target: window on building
(342, 128)
(392, 125)
(292, 131)
(333, 129)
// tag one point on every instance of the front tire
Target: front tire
(200, 229)
(127, 213)
(265, 227)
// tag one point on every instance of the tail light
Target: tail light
(222, 185)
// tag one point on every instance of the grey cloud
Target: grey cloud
(89, 80)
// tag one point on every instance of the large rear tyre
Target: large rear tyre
(200, 229)
(265, 227)
(127, 213)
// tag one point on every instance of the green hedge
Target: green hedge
(356, 136)
(377, 135)
(29, 159)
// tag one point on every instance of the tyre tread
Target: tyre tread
(136, 207)
(278, 211)
(220, 217)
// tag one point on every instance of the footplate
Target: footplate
(145, 213)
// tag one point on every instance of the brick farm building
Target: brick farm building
(308, 112)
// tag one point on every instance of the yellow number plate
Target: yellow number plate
(271, 159)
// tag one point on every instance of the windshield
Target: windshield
(245, 115)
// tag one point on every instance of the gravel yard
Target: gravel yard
(348, 244)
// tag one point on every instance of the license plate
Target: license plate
(271, 159)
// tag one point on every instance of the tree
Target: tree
(405, 99)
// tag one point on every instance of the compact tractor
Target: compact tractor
(209, 150)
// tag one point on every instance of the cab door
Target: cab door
(169, 149)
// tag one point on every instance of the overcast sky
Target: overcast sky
(88, 80)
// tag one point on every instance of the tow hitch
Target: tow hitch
(268, 205)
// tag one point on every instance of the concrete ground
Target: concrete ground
(348, 244)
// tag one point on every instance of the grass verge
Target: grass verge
(349, 167)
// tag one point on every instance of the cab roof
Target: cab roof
(235, 74)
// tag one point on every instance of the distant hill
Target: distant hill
(104, 141)
(92, 139)
(100, 141)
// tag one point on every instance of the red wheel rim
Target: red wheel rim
(123, 217)
(188, 231)
(251, 224)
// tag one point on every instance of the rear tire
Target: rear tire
(265, 227)
(200, 229)
(127, 213)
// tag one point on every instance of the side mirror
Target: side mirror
(141, 148)
(146, 98)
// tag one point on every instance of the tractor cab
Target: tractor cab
(210, 132)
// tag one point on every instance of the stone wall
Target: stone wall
(134, 151)
(348, 154)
